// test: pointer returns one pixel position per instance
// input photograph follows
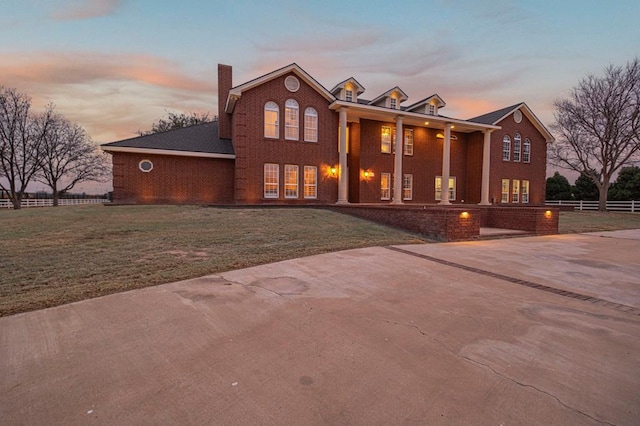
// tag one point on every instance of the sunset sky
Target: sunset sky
(114, 66)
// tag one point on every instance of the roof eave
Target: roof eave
(175, 153)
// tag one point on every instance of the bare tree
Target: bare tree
(176, 121)
(598, 127)
(21, 136)
(67, 157)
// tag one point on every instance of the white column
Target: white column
(486, 161)
(446, 159)
(343, 178)
(397, 169)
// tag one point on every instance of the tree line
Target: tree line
(43, 147)
(625, 188)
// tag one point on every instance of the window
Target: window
(271, 112)
(505, 191)
(271, 184)
(525, 191)
(408, 141)
(385, 186)
(310, 125)
(407, 187)
(310, 182)
(452, 188)
(515, 190)
(386, 139)
(291, 120)
(145, 166)
(393, 102)
(516, 147)
(526, 151)
(290, 181)
(432, 109)
(348, 95)
(506, 148)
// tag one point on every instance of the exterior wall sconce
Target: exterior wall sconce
(333, 171)
(367, 174)
(548, 214)
(464, 215)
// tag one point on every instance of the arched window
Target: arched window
(271, 112)
(291, 120)
(526, 151)
(516, 147)
(310, 125)
(506, 148)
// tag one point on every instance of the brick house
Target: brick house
(283, 138)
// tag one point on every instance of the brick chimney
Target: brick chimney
(225, 77)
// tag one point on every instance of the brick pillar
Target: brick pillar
(225, 77)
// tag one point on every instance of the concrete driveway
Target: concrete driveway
(539, 330)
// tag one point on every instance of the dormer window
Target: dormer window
(348, 95)
(432, 109)
(393, 103)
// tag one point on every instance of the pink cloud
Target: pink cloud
(85, 9)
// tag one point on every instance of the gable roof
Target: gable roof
(342, 84)
(403, 96)
(440, 102)
(497, 116)
(200, 140)
(236, 92)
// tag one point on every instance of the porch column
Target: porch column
(446, 159)
(343, 176)
(397, 168)
(486, 161)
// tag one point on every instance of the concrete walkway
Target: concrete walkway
(535, 330)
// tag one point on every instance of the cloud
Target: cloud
(85, 9)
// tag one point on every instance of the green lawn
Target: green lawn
(52, 256)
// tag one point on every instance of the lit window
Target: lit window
(393, 102)
(525, 191)
(516, 147)
(290, 181)
(515, 191)
(385, 186)
(310, 182)
(506, 148)
(271, 112)
(432, 109)
(407, 187)
(271, 184)
(505, 191)
(452, 188)
(386, 139)
(526, 151)
(310, 125)
(291, 120)
(348, 95)
(408, 141)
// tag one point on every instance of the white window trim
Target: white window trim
(526, 150)
(504, 192)
(277, 183)
(383, 142)
(287, 169)
(408, 132)
(525, 194)
(311, 113)
(407, 187)
(313, 185)
(272, 107)
(393, 103)
(515, 191)
(386, 190)
(348, 95)
(452, 188)
(506, 148)
(517, 147)
(291, 120)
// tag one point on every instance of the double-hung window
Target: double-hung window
(526, 151)
(385, 186)
(291, 120)
(452, 188)
(504, 195)
(310, 182)
(385, 140)
(271, 112)
(516, 147)
(290, 181)
(271, 183)
(525, 191)
(515, 191)
(407, 187)
(393, 103)
(310, 125)
(348, 95)
(506, 148)
(408, 141)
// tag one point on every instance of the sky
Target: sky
(115, 66)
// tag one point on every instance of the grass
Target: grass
(53, 256)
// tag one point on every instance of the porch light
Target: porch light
(333, 171)
(464, 215)
(547, 214)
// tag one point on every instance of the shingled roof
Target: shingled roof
(495, 116)
(193, 140)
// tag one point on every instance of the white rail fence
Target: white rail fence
(47, 202)
(614, 206)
